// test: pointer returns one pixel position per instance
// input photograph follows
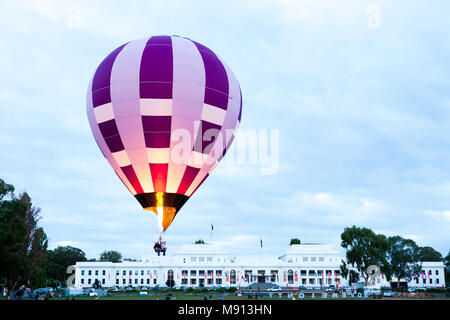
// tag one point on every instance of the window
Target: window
(170, 275)
(193, 273)
(431, 280)
(313, 259)
(184, 260)
(129, 281)
(193, 259)
(303, 273)
(89, 281)
(124, 281)
(142, 281)
(218, 281)
(437, 272)
(130, 273)
(305, 259)
(136, 273)
(233, 277)
(424, 281)
(148, 281)
(210, 273)
(142, 272)
(103, 281)
(193, 281)
(135, 281)
(210, 281)
(104, 272)
(154, 281)
(117, 281)
(417, 280)
(209, 259)
(89, 272)
(273, 275)
(321, 259)
(184, 273)
(290, 277)
(201, 273)
(124, 272)
(184, 281)
(117, 272)
(303, 281)
(201, 259)
(218, 273)
(82, 281)
(437, 281)
(311, 281)
(96, 272)
(82, 272)
(311, 273)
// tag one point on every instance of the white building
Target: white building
(208, 265)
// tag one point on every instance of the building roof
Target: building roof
(311, 248)
(200, 249)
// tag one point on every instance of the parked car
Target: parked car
(411, 289)
(421, 288)
(388, 293)
(275, 289)
(316, 287)
(302, 287)
(308, 287)
(42, 291)
(372, 292)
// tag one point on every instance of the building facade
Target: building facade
(198, 265)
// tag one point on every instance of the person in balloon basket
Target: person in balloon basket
(163, 248)
(157, 247)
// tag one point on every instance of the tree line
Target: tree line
(396, 256)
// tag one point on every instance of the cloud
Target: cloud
(363, 117)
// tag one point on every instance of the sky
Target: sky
(358, 91)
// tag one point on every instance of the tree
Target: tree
(447, 267)
(403, 256)
(199, 241)
(344, 269)
(365, 248)
(295, 241)
(23, 243)
(60, 258)
(111, 256)
(429, 254)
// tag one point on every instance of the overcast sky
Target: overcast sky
(361, 101)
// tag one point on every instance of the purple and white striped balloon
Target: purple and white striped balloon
(161, 110)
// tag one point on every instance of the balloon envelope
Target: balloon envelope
(163, 111)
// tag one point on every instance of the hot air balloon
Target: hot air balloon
(163, 111)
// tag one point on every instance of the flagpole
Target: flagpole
(260, 249)
(211, 233)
